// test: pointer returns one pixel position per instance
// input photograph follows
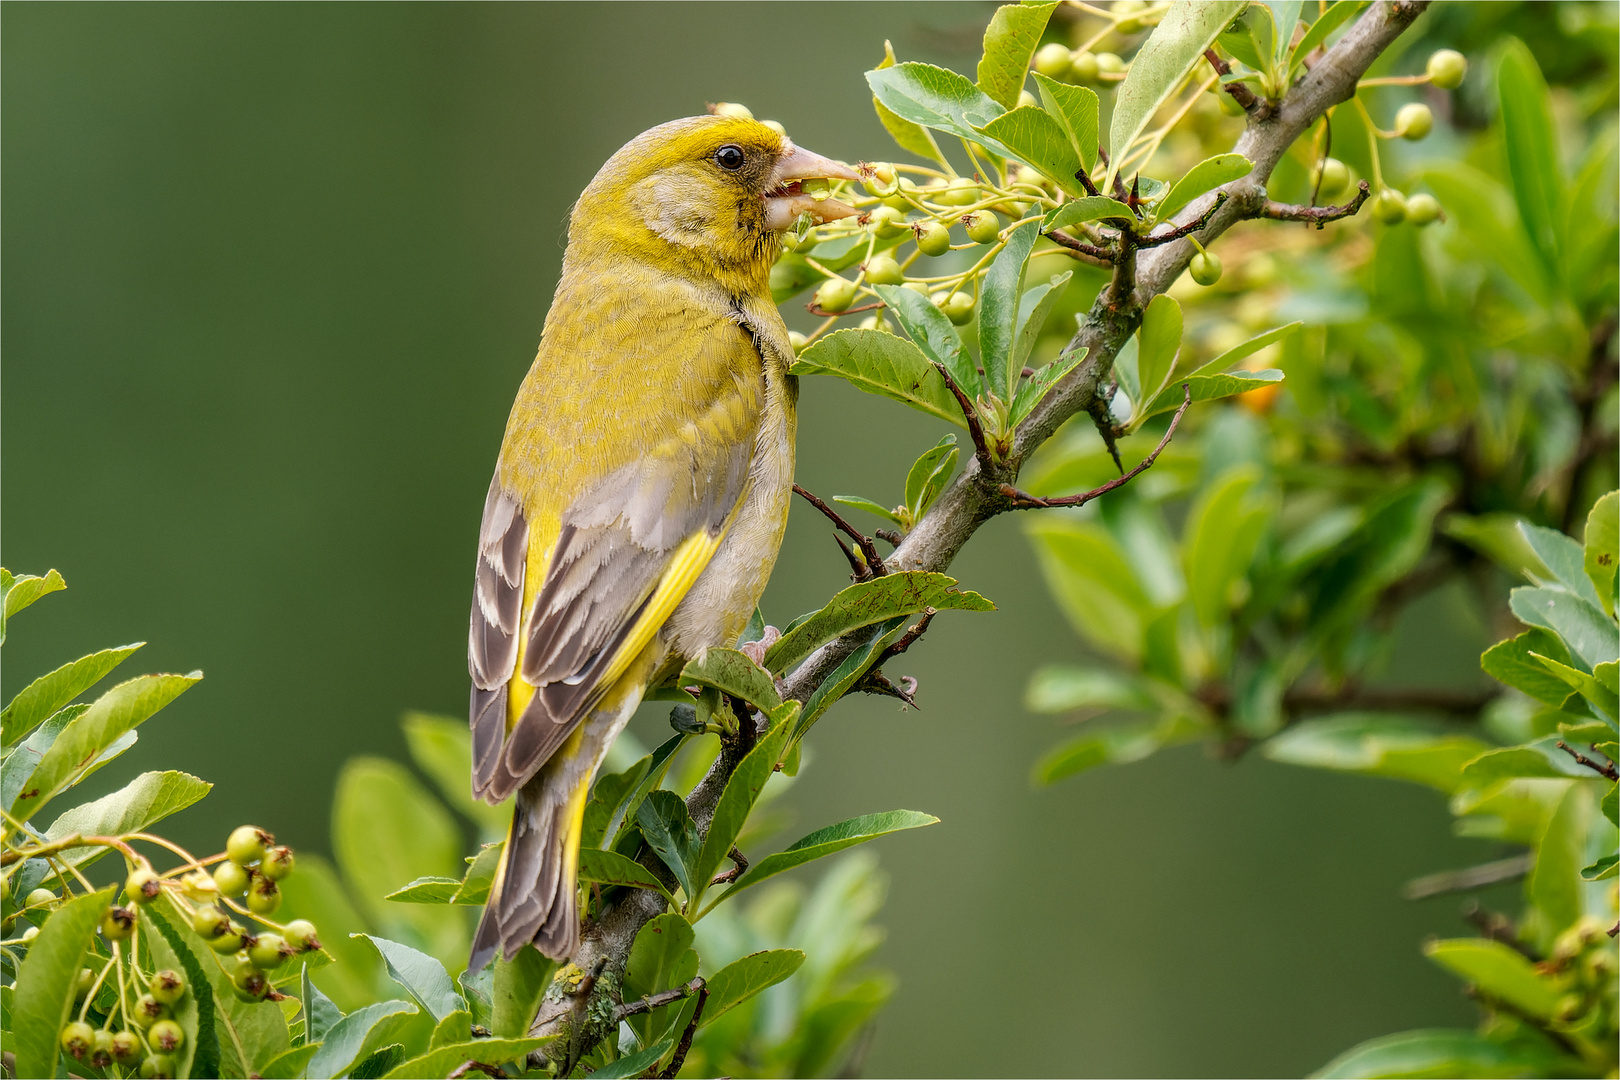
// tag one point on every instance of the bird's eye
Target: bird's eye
(729, 157)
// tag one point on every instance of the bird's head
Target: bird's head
(707, 194)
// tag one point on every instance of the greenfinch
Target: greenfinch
(642, 487)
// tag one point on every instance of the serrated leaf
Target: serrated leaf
(861, 503)
(937, 98)
(320, 1013)
(420, 975)
(1601, 556)
(898, 594)
(1033, 389)
(1207, 175)
(1009, 44)
(737, 801)
(932, 332)
(145, 800)
(427, 890)
(1036, 138)
(17, 593)
(48, 981)
(1599, 697)
(732, 672)
(1033, 310)
(882, 364)
(186, 1012)
(1089, 208)
(1075, 107)
(1327, 22)
(1564, 558)
(48, 693)
(1541, 758)
(829, 841)
(663, 820)
(742, 979)
(1601, 870)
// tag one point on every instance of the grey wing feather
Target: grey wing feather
(503, 546)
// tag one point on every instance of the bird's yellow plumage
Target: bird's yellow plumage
(642, 486)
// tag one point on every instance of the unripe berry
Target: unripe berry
(803, 244)
(796, 341)
(917, 287)
(1083, 67)
(250, 983)
(1027, 98)
(231, 940)
(883, 270)
(277, 863)
(1333, 177)
(268, 952)
(77, 1038)
(143, 885)
(982, 227)
(1052, 59)
(731, 108)
(300, 935)
(1131, 24)
(1447, 68)
(87, 979)
(101, 1049)
(905, 190)
(126, 1047)
(887, 221)
(157, 1067)
(147, 1011)
(776, 126)
(39, 898)
(1422, 209)
(199, 885)
(167, 986)
(834, 295)
(1109, 63)
(932, 237)
(230, 879)
(118, 923)
(1389, 206)
(959, 192)
(246, 844)
(1205, 268)
(1414, 121)
(30, 934)
(957, 306)
(166, 1036)
(210, 922)
(264, 897)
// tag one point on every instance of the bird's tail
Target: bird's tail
(534, 897)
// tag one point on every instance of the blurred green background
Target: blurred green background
(272, 274)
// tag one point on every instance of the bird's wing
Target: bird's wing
(622, 554)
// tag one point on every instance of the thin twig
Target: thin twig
(815, 309)
(868, 547)
(1102, 258)
(1022, 500)
(1314, 215)
(981, 449)
(679, 1059)
(657, 1001)
(1187, 229)
(740, 862)
(1239, 90)
(875, 682)
(1606, 769)
(1474, 877)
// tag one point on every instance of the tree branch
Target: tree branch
(874, 561)
(1024, 501)
(1315, 215)
(1196, 225)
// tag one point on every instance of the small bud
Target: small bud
(231, 879)
(1109, 63)
(982, 227)
(1414, 121)
(157, 1067)
(835, 295)
(731, 108)
(246, 844)
(143, 885)
(1447, 68)
(167, 986)
(1332, 178)
(775, 126)
(166, 1036)
(77, 1038)
(39, 898)
(126, 1047)
(1205, 268)
(959, 192)
(1422, 209)
(264, 897)
(277, 863)
(932, 237)
(883, 270)
(101, 1049)
(1389, 206)
(1083, 67)
(118, 923)
(147, 1011)
(1052, 60)
(797, 341)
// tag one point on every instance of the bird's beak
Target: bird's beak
(786, 200)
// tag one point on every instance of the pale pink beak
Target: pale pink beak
(786, 201)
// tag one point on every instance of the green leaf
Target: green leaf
(48, 979)
(611, 868)
(661, 958)
(1590, 635)
(427, 890)
(1601, 870)
(1163, 62)
(1036, 138)
(445, 1059)
(1092, 582)
(737, 800)
(1601, 556)
(742, 979)
(1033, 310)
(319, 1011)
(1061, 688)
(1117, 745)
(421, 976)
(669, 831)
(840, 682)
(933, 333)
(1444, 1052)
(1599, 697)
(1216, 549)
(355, 1037)
(21, 762)
(1246, 349)
(1207, 175)
(520, 983)
(633, 1064)
(17, 593)
(1327, 22)
(380, 1063)
(1608, 805)
(938, 99)
(292, 1065)
(186, 1012)
(314, 893)
(1285, 16)
(1251, 40)
(1035, 388)
(1541, 758)
(1159, 341)
(607, 801)
(1489, 222)
(731, 672)
(147, 799)
(48, 693)
(658, 763)
(1510, 662)
(1564, 558)
(830, 841)
(1554, 885)
(1089, 208)
(905, 593)
(441, 746)
(1531, 142)
(999, 294)
(1206, 388)
(93, 731)
(929, 474)
(910, 137)
(1076, 109)
(860, 503)
(1499, 972)
(1009, 44)
(1377, 744)
(882, 364)
(455, 1028)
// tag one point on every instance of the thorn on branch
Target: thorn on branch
(1088, 253)
(1314, 215)
(981, 449)
(873, 566)
(679, 1059)
(1188, 229)
(1606, 769)
(740, 862)
(875, 682)
(1024, 501)
(1085, 182)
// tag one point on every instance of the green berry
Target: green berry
(167, 986)
(77, 1038)
(101, 1049)
(1446, 68)
(157, 1067)
(959, 192)
(834, 295)
(1130, 24)
(230, 879)
(932, 238)
(886, 221)
(1414, 121)
(231, 940)
(147, 1011)
(882, 179)
(796, 341)
(1422, 209)
(1052, 59)
(250, 983)
(802, 244)
(1109, 63)
(268, 952)
(982, 227)
(917, 287)
(87, 979)
(1083, 67)
(1027, 98)
(264, 897)
(39, 898)
(905, 191)
(1389, 206)
(277, 863)
(166, 1036)
(958, 307)
(246, 844)
(143, 885)
(118, 923)
(126, 1047)
(1333, 177)
(30, 934)
(210, 922)
(883, 270)
(1205, 268)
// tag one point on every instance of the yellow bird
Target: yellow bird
(642, 488)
